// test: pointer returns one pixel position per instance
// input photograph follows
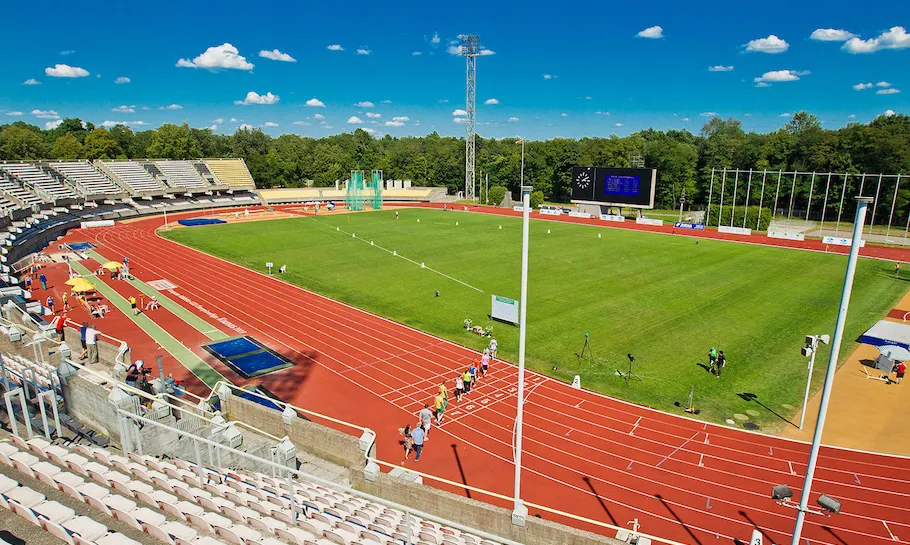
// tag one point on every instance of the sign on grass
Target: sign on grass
(687, 225)
(504, 309)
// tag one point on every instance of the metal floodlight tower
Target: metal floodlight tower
(470, 48)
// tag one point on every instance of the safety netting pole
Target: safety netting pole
(780, 175)
(733, 210)
(792, 194)
(878, 186)
(761, 199)
(840, 208)
(720, 211)
(748, 190)
(825, 202)
(897, 184)
(710, 193)
(809, 203)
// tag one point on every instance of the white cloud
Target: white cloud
(862, 86)
(51, 125)
(883, 84)
(851, 116)
(212, 128)
(619, 124)
(563, 115)
(31, 81)
(435, 39)
(121, 80)
(491, 101)
(45, 114)
(318, 116)
(779, 76)
(653, 32)
(303, 123)
(335, 47)
(219, 56)
(394, 124)
(785, 114)
(831, 35)
(67, 52)
(708, 114)
(891, 91)
(146, 108)
(888, 113)
(234, 120)
(385, 101)
(459, 112)
(720, 68)
(587, 98)
(270, 124)
(548, 76)
(762, 84)
(255, 98)
(895, 38)
(458, 120)
(66, 71)
(354, 120)
(109, 124)
(218, 121)
(315, 103)
(373, 115)
(771, 44)
(443, 101)
(416, 53)
(171, 107)
(486, 52)
(245, 127)
(125, 109)
(365, 104)
(601, 113)
(13, 113)
(513, 120)
(276, 55)
(685, 119)
(363, 51)
(368, 130)
(327, 126)
(401, 118)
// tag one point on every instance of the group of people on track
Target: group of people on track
(415, 437)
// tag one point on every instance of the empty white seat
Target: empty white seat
(116, 501)
(54, 512)
(25, 496)
(7, 484)
(94, 490)
(86, 528)
(147, 516)
(116, 539)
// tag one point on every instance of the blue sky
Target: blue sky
(556, 69)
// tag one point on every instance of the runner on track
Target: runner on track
(426, 417)
(484, 364)
(467, 381)
(459, 387)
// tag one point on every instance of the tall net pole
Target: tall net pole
(748, 191)
(875, 203)
(897, 184)
(377, 189)
(840, 208)
(764, 176)
(735, 185)
(825, 203)
(470, 48)
(710, 193)
(720, 210)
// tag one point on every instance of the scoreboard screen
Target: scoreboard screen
(614, 186)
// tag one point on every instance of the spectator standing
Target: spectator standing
(50, 303)
(408, 441)
(901, 369)
(459, 387)
(91, 344)
(418, 437)
(43, 280)
(66, 305)
(467, 381)
(28, 283)
(58, 324)
(712, 359)
(897, 269)
(493, 346)
(484, 364)
(426, 418)
(132, 374)
(721, 362)
(133, 305)
(82, 331)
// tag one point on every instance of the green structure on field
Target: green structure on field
(353, 196)
(377, 189)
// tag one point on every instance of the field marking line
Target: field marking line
(667, 457)
(561, 482)
(579, 403)
(613, 400)
(632, 431)
(855, 476)
(628, 467)
(770, 451)
(791, 468)
(708, 504)
(396, 254)
(701, 460)
(893, 537)
(391, 357)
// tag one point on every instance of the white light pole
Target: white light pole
(520, 513)
(165, 218)
(861, 204)
(810, 349)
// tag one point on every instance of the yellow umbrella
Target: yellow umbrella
(83, 287)
(113, 265)
(75, 281)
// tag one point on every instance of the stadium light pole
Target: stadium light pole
(520, 512)
(861, 204)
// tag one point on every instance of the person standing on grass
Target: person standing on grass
(897, 269)
(721, 362)
(467, 381)
(712, 359)
(133, 305)
(408, 441)
(396, 214)
(43, 280)
(493, 346)
(426, 418)
(418, 436)
(901, 368)
(91, 344)
(459, 387)
(484, 364)
(82, 331)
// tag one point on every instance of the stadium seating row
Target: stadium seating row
(185, 503)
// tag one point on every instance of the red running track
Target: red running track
(584, 453)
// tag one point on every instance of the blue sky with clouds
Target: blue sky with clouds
(550, 69)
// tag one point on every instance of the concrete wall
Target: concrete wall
(87, 403)
(331, 445)
(475, 514)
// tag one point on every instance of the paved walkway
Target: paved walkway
(863, 413)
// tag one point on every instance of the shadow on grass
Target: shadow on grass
(754, 399)
(705, 367)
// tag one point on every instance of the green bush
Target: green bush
(716, 215)
(497, 192)
(536, 199)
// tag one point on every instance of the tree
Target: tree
(67, 148)
(124, 138)
(21, 143)
(100, 144)
(173, 142)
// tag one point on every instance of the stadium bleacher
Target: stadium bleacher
(181, 174)
(84, 175)
(230, 172)
(134, 176)
(14, 188)
(32, 174)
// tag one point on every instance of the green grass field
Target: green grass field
(665, 299)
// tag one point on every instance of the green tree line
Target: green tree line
(683, 160)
